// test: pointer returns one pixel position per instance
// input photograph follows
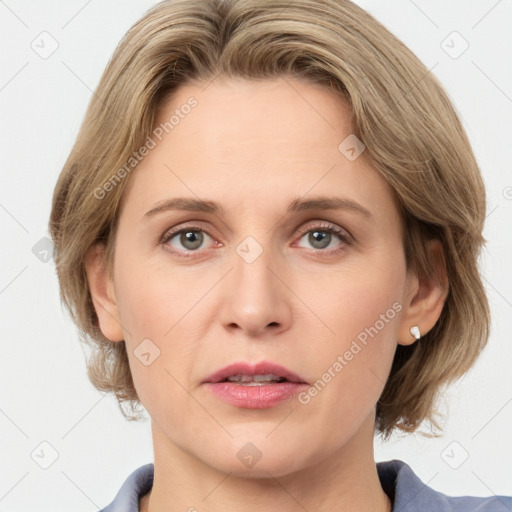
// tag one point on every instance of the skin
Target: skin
(253, 147)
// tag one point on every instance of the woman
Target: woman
(268, 228)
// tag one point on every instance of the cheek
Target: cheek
(357, 299)
(161, 312)
(154, 298)
(351, 372)
(361, 318)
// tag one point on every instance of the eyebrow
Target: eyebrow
(297, 205)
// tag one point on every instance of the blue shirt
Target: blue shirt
(405, 489)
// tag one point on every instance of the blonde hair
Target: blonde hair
(412, 134)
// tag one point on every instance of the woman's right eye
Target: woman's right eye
(188, 239)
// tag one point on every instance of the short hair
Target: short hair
(411, 130)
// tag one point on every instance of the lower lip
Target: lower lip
(255, 397)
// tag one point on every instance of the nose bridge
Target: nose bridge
(252, 276)
(256, 298)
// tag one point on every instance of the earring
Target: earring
(415, 331)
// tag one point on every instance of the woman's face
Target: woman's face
(301, 265)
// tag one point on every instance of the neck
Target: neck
(346, 480)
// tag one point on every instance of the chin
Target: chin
(265, 468)
(257, 455)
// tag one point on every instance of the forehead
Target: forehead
(264, 115)
(256, 144)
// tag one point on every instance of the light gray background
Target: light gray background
(45, 395)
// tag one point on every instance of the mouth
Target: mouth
(261, 374)
(255, 380)
(259, 386)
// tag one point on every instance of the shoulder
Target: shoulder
(410, 494)
(138, 483)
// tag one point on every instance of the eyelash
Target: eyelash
(343, 235)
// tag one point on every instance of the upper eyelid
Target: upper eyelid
(168, 233)
(321, 224)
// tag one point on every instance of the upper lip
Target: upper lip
(244, 368)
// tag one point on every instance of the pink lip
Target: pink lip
(254, 397)
(261, 368)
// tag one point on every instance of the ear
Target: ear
(425, 297)
(102, 293)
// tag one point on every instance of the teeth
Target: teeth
(255, 380)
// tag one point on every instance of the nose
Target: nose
(256, 299)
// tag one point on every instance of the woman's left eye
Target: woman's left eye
(192, 238)
(320, 237)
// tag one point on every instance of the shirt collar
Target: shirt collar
(410, 494)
